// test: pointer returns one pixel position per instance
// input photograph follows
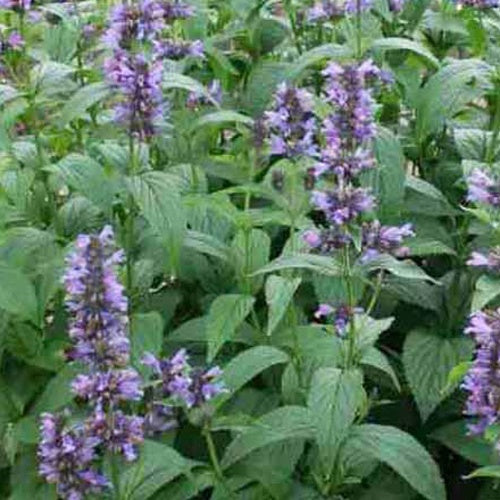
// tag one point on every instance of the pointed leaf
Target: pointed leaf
(279, 293)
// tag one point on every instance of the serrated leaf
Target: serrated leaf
(159, 464)
(402, 453)
(487, 289)
(247, 365)
(428, 359)
(377, 359)
(334, 399)
(158, 196)
(316, 263)
(206, 244)
(401, 268)
(279, 293)
(83, 99)
(288, 422)
(226, 314)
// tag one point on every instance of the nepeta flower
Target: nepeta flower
(138, 81)
(214, 91)
(17, 5)
(396, 5)
(178, 49)
(483, 188)
(379, 239)
(66, 456)
(353, 6)
(340, 315)
(110, 387)
(490, 261)
(482, 381)
(96, 302)
(479, 4)
(175, 9)
(160, 417)
(291, 122)
(117, 432)
(325, 9)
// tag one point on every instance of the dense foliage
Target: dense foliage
(249, 249)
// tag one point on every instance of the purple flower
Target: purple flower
(396, 5)
(138, 81)
(110, 387)
(159, 417)
(178, 49)
(352, 6)
(15, 41)
(326, 9)
(340, 315)
(140, 21)
(482, 380)
(214, 90)
(483, 188)
(312, 238)
(291, 122)
(117, 432)
(378, 239)
(96, 302)
(490, 261)
(17, 5)
(175, 9)
(479, 4)
(65, 458)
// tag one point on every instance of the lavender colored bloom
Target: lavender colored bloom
(139, 83)
(396, 5)
(483, 188)
(178, 49)
(291, 122)
(343, 204)
(379, 239)
(65, 459)
(482, 380)
(173, 10)
(117, 432)
(140, 21)
(159, 417)
(490, 261)
(96, 302)
(479, 4)
(214, 91)
(15, 41)
(110, 387)
(353, 6)
(326, 9)
(17, 5)
(312, 238)
(340, 315)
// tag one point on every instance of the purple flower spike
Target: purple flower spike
(482, 381)
(483, 188)
(378, 239)
(490, 261)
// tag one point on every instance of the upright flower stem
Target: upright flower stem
(351, 302)
(490, 155)
(129, 223)
(214, 460)
(358, 29)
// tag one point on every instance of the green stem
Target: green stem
(214, 460)
(351, 303)
(129, 224)
(358, 29)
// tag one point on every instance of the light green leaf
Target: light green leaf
(428, 359)
(206, 244)
(222, 119)
(489, 471)
(226, 314)
(487, 289)
(279, 293)
(402, 453)
(146, 335)
(83, 99)
(395, 43)
(158, 196)
(179, 81)
(334, 399)
(158, 465)
(17, 294)
(377, 359)
(248, 365)
(317, 263)
(401, 268)
(288, 422)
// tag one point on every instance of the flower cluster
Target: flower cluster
(483, 188)
(379, 239)
(340, 315)
(16, 5)
(291, 122)
(479, 4)
(13, 42)
(214, 91)
(136, 35)
(334, 9)
(482, 381)
(491, 261)
(178, 384)
(98, 328)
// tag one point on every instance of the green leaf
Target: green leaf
(267, 34)
(395, 43)
(317, 263)
(247, 365)
(86, 176)
(279, 294)
(146, 335)
(377, 359)
(487, 289)
(17, 295)
(58, 391)
(206, 244)
(416, 292)
(401, 268)
(428, 359)
(489, 471)
(226, 314)
(24, 341)
(288, 422)
(421, 246)
(334, 399)
(222, 119)
(83, 99)
(403, 453)
(449, 91)
(475, 449)
(158, 196)
(179, 81)
(158, 465)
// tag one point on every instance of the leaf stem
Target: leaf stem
(214, 460)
